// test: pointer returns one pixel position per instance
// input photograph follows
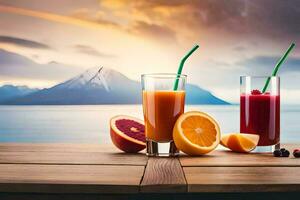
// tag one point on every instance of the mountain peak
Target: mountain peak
(99, 78)
(96, 77)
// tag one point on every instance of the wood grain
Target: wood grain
(70, 178)
(163, 175)
(57, 147)
(79, 158)
(242, 179)
(231, 159)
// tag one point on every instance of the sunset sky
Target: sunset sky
(45, 42)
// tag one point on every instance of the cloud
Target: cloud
(153, 31)
(84, 49)
(97, 18)
(135, 27)
(267, 18)
(51, 17)
(239, 48)
(14, 66)
(23, 42)
(263, 65)
(86, 18)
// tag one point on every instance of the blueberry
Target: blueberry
(282, 149)
(277, 153)
(285, 153)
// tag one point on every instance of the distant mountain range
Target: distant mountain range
(94, 86)
(8, 92)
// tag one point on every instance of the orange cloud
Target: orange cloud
(84, 18)
(158, 19)
(52, 17)
(98, 18)
(152, 31)
(135, 23)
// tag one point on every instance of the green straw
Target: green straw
(182, 63)
(275, 70)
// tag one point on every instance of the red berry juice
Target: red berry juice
(260, 114)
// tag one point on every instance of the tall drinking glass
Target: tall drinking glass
(260, 112)
(162, 106)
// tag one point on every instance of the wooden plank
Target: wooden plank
(147, 196)
(242, 179)
(163, 175)
(75, 196)
(228, 158)
(91, 158)
(70, 178)
(57, 147)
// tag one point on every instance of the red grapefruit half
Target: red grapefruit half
(128, 133)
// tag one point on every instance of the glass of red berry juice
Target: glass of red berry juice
(260, 111)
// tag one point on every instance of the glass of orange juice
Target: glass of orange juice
(162, 105)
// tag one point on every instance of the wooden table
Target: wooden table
(79, 170)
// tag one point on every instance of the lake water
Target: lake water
(90, 124)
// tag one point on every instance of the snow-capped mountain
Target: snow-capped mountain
(103, 86)
(98, 77)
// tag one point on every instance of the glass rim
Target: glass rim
(164, 75)
(246, 76)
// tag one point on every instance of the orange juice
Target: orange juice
(161, 110)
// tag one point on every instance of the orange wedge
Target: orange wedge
(196, 133)
(240, 142)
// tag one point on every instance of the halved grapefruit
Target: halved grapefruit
(127, 133)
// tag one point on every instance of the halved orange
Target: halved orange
(240, 142)
(196, 133)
